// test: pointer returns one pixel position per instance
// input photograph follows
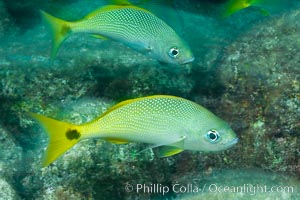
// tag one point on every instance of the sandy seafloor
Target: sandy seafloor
(246, 70)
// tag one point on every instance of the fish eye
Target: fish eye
(174, 52)
(213, 136)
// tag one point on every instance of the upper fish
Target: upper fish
(233, 6)
(128, 24)
(171, 124)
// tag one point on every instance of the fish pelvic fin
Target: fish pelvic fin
(62, 136)
(172, 149)
(166, 151)
(60, 31)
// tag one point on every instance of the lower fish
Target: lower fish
(171, 124)
(128, 24)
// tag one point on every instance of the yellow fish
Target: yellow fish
(233, 6)
(172, 124)
(133, 26)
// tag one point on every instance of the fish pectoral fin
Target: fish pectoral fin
(148, 49)
(116, 140)
(145, 49)
(99, 37)
(141, 47)
(166, 151)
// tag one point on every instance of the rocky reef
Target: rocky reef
(246, 72)
(10, 159)
(261, 74)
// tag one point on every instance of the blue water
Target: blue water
(246, 71)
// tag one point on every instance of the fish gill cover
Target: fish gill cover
(246, 71)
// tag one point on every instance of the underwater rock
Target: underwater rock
(158, 80)
(10, 159)
(10, 155)
(7, 192)
(260, 72)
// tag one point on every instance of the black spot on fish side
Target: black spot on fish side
(72, 134)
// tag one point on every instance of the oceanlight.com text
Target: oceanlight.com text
(251, 189)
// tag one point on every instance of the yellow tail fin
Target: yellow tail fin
(60, 30)
(233, 6)
(62, 136)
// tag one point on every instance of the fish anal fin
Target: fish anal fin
(116, 140)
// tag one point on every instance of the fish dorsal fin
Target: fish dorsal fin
(123, 103)
(116, 140)
(113, 7)
(102, 9)
(126, 2)
(120, 2)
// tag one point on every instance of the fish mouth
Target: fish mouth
(232, 142)
(188, 60)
